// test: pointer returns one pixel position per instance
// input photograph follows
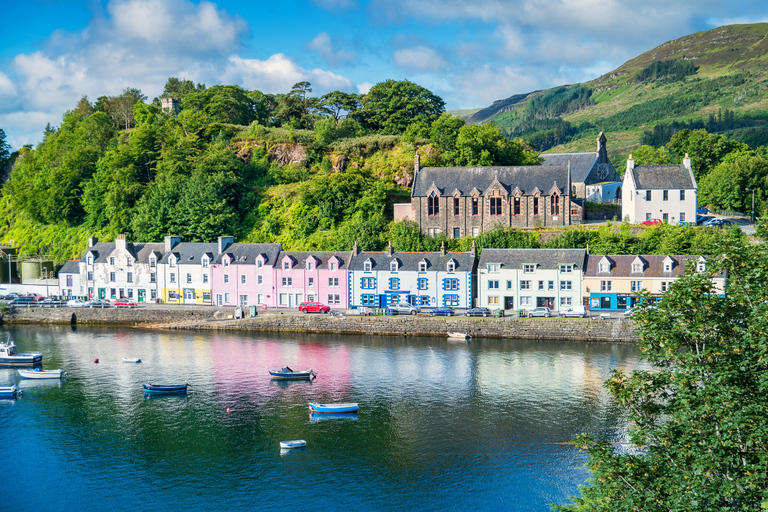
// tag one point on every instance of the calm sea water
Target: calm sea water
(442, 425)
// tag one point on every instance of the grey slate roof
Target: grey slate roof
(300, 257)
(543, 258)
(70, 267)
(191, 253)
(581, 163)
(246, 254)
(661, 177)
(409, 261)
(143, 251)
(526, 178)
(621, 265)
(101, 250)
(140, 251)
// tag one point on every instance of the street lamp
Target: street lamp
(753, 203)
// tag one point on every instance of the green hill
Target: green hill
(716, 79)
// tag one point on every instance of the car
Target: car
(123, 303)
(313, 307)
(650, 222)
(575, 311)
(542, 311)
(701, 219)
(97, 303)
(50, 303)
(478, 312)
(24, 301)
(629, 312)
(700, 210)
(719, 223)
(404, 308)
(75, 303)
(446, 311)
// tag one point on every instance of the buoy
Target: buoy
(227, 409)
(96, 360)
(263, 306)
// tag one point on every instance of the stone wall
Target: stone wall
(132, 317)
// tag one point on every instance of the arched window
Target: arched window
(433, 204)
(555, 204)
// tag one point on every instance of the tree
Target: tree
(483, 145)
(180, 87)
(389, 107)
(699, 431)
(705, 149)
(727, 186)
(222, 104)
(648, 155)
(5, 149)
(84, 107)
(338, 104)
(445, 132)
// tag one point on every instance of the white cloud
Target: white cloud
(7, 88)
(364, 87)
(419, 58)
(322, 46)
(278, 74)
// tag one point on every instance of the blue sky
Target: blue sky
(470, 52)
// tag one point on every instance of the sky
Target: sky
(469, 52)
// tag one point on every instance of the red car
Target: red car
(650, 222)
(313, 307)
(122, 303)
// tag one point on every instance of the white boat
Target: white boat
(38, 373)
(9, 391)
(131, 360)
(459, 335)
(288, 445)
(8, 355)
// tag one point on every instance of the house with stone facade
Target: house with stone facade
(529, 278)
(312, 277)
(466, 201)
(427, 279)
(664, 192)
(244, 274)
(593, 177)
(613, 282)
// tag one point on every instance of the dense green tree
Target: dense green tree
(445, 132)
(483, 145)
(698, 430)
(179, 87)
(728, 186)
(648, 155)
(5, 149)
(222, 104)
(706, 150)
(84, 107)
(155, 213)
(390, 106)
(120, 108)
(339, 104)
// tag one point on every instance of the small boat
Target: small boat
(459, 335)
(176, 388)
(286, 373)
(332, 408)
(39, 373)
(288, 445)
(8, 355)
(131, 360)
(9, 391)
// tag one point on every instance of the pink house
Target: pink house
(244, 275)
(312, 277)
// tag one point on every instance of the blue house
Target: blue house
(427, 279)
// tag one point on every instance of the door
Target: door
(545, 302)
(509, 303)
(189, 295)
(605, 303)
(142, 294)
(291, 300)
(102, 293)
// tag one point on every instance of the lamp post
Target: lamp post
(753, 203)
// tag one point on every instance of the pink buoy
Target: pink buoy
(227, 409)
(96, 360)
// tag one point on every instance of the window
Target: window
(206, 296)
(433, 232)
(422, 266)
(647, 216)
(566, 269)
(153, 294)
(667, 266)
(528, 269)
(637, 268)
(451, 266)
(226, 262)
(128, 262)
(172, 262)
(152, 262)
(493, 301)
(172, 295)
(152, 277)
(475, 232)
(475, 207)
(367, 283)
(310, 282)
(605, 286)
(566, 285)
(665, 218)
(665, 195)
(682, 195)
(189, 278)
(227, 297)
(682, 216)
(260, 279)
(509, 285)
(242, 279)
(113, 293)
(334, 298)
(286, 265)
(456, 232)
(111, 261)
(604, 267)
(259, 264)
(450, 284)
(517, 205)
(701, 266)
(90, 260)
(493, 267)
(665, 285)
(226, 278)
(455, 205)
(394, 283)
(647, 195)
(635, 286)
(368, 300)
(310, 265)
(525, 301)
(525, 285)
(112, 276)
(450, 300)
(205, 278)
(495, 206)
(90, 276)
(393, 266)
(535, 205)
(433, 204)
(556, 204)
(333, 265)
(566, 301)
(243, 301)
(422, 284)
(493, 285)
(287, 281)
(550, 285)
(367, 266)
(541, 285)
(333, 282)
(130, 277)
(205, 262)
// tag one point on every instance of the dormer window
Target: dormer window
(226, 262)
(367, 266)
(451, 266)
(529, 268)
(286, 265)
(128, 262)
(637, 268)
(259, 263)
(152, 262)
(493, 267)
(333, 265)
(90, 260)
(422, 266)
(393, 266)
(668, 265)
(310, 265)
(205, 262)
(172, 262)
(604, 266)
(701, 266)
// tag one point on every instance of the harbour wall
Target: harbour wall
(569, 329)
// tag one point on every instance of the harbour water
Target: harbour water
(442, 425)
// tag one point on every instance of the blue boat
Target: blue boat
(8, 355)
(154, 388)
(332, 408)
(286, 373)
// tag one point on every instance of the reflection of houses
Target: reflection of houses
(378, 279)
(664, 192)
(529, 278)
(243, 274)
(312, 277)
(612, 282)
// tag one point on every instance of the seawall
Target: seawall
(573, 329)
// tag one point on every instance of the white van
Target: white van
(576, 311)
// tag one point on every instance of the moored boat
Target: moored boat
(288, 445)
(9, 391)
(332, 408)
(8, 355)
(39, 373)
(286, 373)
(174, 388)
(459, 335)
(131, 360)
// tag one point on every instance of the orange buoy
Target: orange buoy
(96, 360)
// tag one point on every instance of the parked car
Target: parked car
(629, 312)
(50, 303)
(24, 301)
(75, 303)
(446, 311)
(313, 307)
(700, 210)
(542, 311)
(122, 303)
(478, 312)
(650, 222)
(575, 311)
(403, 308)
(702, 219)
(718, 223)
(97, 303)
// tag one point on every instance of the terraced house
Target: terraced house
(430, 279)
(184, 272)
(244, 274)
(312, 277)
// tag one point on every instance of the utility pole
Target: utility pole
(753, 204)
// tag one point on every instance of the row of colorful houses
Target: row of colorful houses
(245, 274)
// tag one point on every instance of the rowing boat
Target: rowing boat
(332, 408)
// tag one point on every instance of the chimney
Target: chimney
(416, 163)
(442, 248)
(92, 241)
(171, 242)
(121, 242)
(224, 242)
(631, 163)
(355, 249)
(390, 251)
(687, 162)
(473, 249)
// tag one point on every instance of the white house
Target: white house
(664, 192)
(427, 279)
(185, 271)
(529, 278)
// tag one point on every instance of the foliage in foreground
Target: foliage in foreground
(698, 418)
